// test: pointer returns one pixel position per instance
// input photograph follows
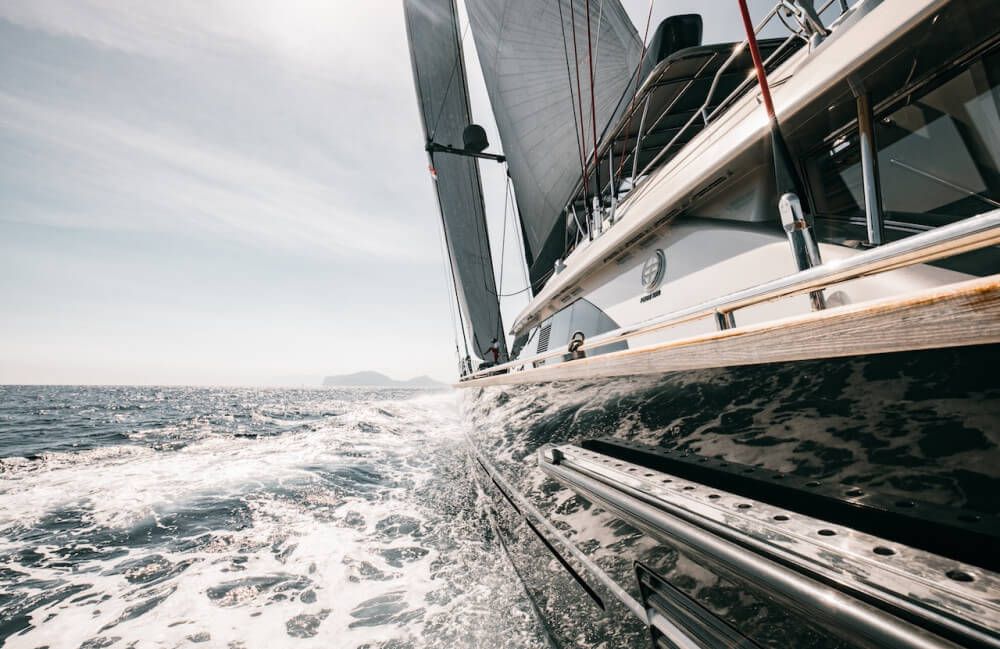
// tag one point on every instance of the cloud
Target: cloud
(320, 34)
(114, 175)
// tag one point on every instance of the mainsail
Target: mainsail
(439, 74)
(530, 63)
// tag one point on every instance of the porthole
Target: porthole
(884, 551)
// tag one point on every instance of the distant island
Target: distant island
(376, 379)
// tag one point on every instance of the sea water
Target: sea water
(240, 518)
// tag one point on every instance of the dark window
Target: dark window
(938, 160)
(583, 316)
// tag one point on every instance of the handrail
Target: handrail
(880, 620)
(969, 234)
(739, 90)
(706, 118)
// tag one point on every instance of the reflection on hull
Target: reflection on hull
(914, 427)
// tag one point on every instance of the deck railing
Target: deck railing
(969, 234)
(739, 91)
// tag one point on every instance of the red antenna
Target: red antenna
(758, 63)
(786, 176)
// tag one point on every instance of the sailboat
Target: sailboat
(753, 400)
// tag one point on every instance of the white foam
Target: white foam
(305, 526)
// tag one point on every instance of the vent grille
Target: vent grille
(543, 338)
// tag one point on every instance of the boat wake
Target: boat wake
(243, 518)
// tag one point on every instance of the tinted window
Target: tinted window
(583, 316)
(938, 154)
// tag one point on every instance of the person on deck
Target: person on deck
(494, 348)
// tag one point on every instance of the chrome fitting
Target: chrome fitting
(800, 237)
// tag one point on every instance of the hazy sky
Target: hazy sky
(226, 191)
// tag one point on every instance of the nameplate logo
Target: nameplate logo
(650, 296)
(653, 270)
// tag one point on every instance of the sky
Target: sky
(228, 192)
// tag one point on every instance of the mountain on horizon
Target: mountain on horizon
(377, 379)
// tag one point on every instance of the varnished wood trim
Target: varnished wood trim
(966, 313)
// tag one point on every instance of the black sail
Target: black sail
(442, 92)
(526, 50)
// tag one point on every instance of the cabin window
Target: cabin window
(938, 155)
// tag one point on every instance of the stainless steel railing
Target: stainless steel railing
(969, 234)
(738, 91)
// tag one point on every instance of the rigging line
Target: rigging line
(597, 41)
(451, 263)
(517, 233)
(451, 78)
(500, 292)
(451, 298)
(635, 92)
(593, 106)
(485, 254)
(453, 301)
(579, 97)
(569, 81)
(508, 202)
(503, 258)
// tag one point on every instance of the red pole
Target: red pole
(593, 107)
(758, 63)
(786, 176)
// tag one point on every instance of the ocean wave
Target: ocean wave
(353, 528)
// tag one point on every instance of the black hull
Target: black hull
(902, 446)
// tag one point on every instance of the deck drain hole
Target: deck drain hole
(666, 480)
(959, 575)
(826, 533)
(713, 496)
(743, 506)
(688, 488)
(884, 551)
(781, 517)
